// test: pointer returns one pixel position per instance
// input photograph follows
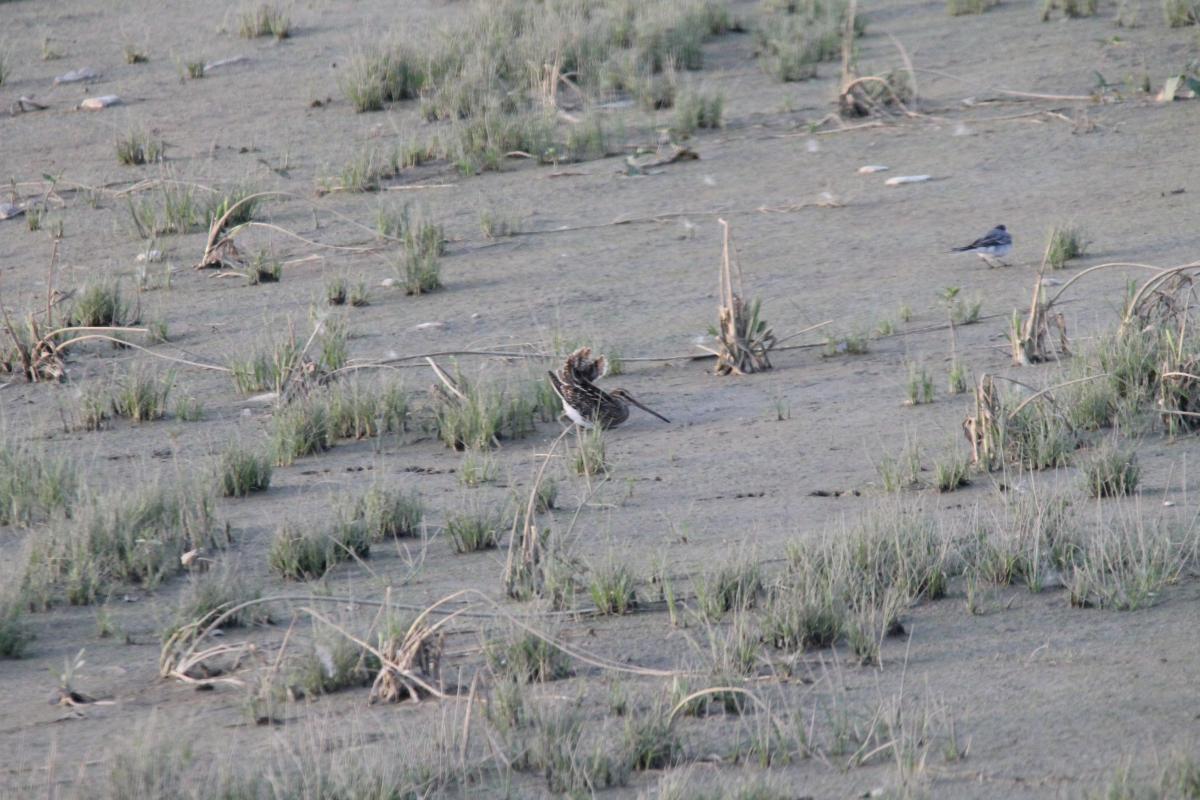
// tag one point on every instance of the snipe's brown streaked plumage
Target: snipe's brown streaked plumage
(587, 404)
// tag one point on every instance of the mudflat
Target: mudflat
(800, 586)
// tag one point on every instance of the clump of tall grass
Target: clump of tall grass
(1038, 437)
(798, 34)
(243, 472)
(141, 394)
(207, 596)
(957, 8)
(307, 552)
(171, 207)
(384, 514)
(483, 415)
(695, 110)
(1111, 471)
(856, 582)
(301, 428)
(733, 586)
(1126, 565)
(1066, 241)
(265, 20)
(475, 528)
(1072, 9)
(919, 389)
(1029, 539)
(138, 147)
(526, 658)
(1180, 13)
(134, 536)
(267, 367)
(419, 268)
(35, 485)
(359, 409)
(101, 305)
(612, 587)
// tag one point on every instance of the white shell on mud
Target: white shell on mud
(870, 168)
(97, 103)
(902, 179)
(77, 75)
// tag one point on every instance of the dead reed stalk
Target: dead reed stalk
(743, 337)
(1031, 340)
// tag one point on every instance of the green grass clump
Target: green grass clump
(35, 485)
(1072, 9)
(266, 20)
(1066, 243)
(1181, 13)
(498, 223)
(474, 529)
(333, 663)
(731, 587)
(336, 290)
(804, 616)
(172, 207)
(526, 658)
(958, 8)
(590, 457)
(135, 536)
(209, 595)
(141, 395)
(1125, 566)
(612, 588)
(956, 381)
(1038, 437)
(420, 267)
(485, 414)
(695, 110)
(919, 387)
(102, 305)
(383, 75)
(384, 514)
(263, 269)
(300, 429)
(1111, 471)
(851, 344)
(135, 54)
(138, 147)
(188, 409)
(951, 473)
(307, 553)
(358, 409)
(266, 368)
(243, 472)
(14, 635)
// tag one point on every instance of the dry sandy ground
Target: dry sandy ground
(1053, 700)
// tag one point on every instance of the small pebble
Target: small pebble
(152, 256)
(387, 283)
(902, 179)
(870, 168)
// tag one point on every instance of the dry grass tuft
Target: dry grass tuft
(743, 338)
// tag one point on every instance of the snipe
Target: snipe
(586, 404)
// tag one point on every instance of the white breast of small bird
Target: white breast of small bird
(576, 417)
